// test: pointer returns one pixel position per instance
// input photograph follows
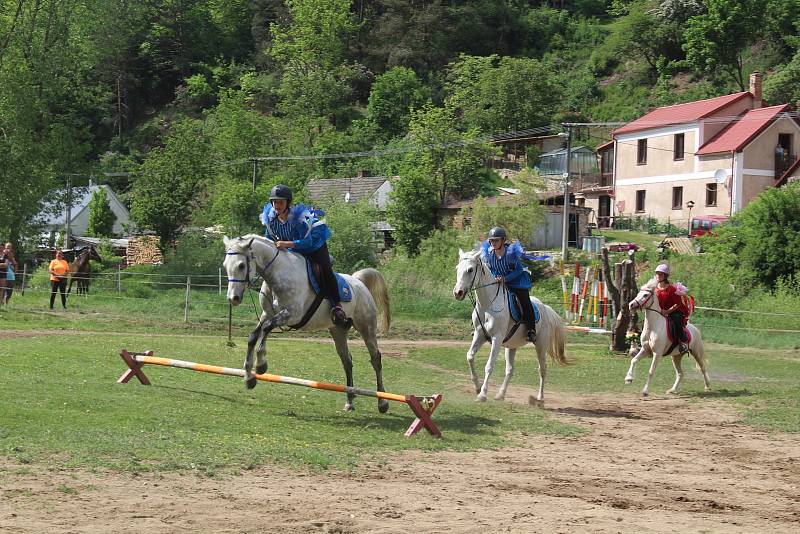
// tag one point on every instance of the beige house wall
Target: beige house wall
(714, 162)
(658, 200)
(660, 154)
(712, 125)
(760, 153)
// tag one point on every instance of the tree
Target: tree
(499, 94)
(762, 245)
(101, 218)
(519, 214)
(393, 96)
(412, 208)
(312, 52)
(172, 182)
(351, 244)
(716, 39)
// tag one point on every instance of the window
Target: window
(677, 198)
(607, 161)
(711, 194)
(640, 200)
(641, 152)
(678, 147)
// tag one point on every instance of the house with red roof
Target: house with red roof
(715, 155)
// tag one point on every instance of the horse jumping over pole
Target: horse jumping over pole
(655, 342)
(81, 270)
(287, 299)
(491, 320)
(423, 407)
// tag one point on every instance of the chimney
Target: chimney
(755, 89)
(363, 173)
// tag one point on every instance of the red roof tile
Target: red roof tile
(741, 131)
(680, 113)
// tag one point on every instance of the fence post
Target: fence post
(119, 278)
(186, 301)
(219, 280)
(24, 275)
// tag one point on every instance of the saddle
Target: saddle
(515, 309)
(315, 273)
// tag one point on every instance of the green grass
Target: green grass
(59, 403)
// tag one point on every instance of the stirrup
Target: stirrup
(532, 336)
(683, 348)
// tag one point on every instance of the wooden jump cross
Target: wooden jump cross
(423, 407)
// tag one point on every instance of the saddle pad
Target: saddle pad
(515, 311)
(685, 331)
(345, 293)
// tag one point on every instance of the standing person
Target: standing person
(670, 298)
(504, 261)
(59, 269)
(295, 228)
(11, 267)
(3, 274)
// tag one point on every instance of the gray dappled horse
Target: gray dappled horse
(286, 296)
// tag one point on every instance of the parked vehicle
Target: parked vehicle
(705, 224)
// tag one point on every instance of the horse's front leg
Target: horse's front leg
(496, 343)
(265, 326)
(639, 355)
(510, 356)
(651, 374)
(477, 342)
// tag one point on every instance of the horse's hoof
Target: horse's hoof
(645, 394)
(628, 381)
(533, 401)
(250, 382)
(481, 398)
(499, 397)
(349, 407)
(671, 392)
(261, 369)
(383, 406)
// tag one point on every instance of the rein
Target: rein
(473, 289)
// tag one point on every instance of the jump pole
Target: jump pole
(423, 407)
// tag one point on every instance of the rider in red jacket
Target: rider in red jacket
(673, 306)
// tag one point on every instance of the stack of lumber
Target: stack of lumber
(143, 250)
(681, 245)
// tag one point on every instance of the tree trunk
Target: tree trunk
(621, 289)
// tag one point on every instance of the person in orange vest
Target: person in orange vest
(59, 269)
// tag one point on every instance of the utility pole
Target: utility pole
(255, 172)
(68, 212)
(566, 176)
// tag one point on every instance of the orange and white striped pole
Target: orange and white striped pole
(423, 407)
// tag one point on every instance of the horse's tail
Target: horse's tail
(552, 321)
(376, 284)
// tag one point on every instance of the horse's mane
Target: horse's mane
(651, 284)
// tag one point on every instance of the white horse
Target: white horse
(286, 298)
(655, 342)
(492, 317)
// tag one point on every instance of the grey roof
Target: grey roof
(53, 214)
(359, 188)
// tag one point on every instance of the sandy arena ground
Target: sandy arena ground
(657, 465)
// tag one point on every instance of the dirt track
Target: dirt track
(665, 464)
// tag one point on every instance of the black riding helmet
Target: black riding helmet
(281, 192)
(497, 232)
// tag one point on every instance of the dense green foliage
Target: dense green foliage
(101, 218)
(170, 100)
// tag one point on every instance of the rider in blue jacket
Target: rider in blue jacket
(504, 261)
(296, 228)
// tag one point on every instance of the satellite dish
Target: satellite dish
(720, 176)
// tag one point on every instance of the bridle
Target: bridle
(644, 304)
(249, 257)
(472, 289)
